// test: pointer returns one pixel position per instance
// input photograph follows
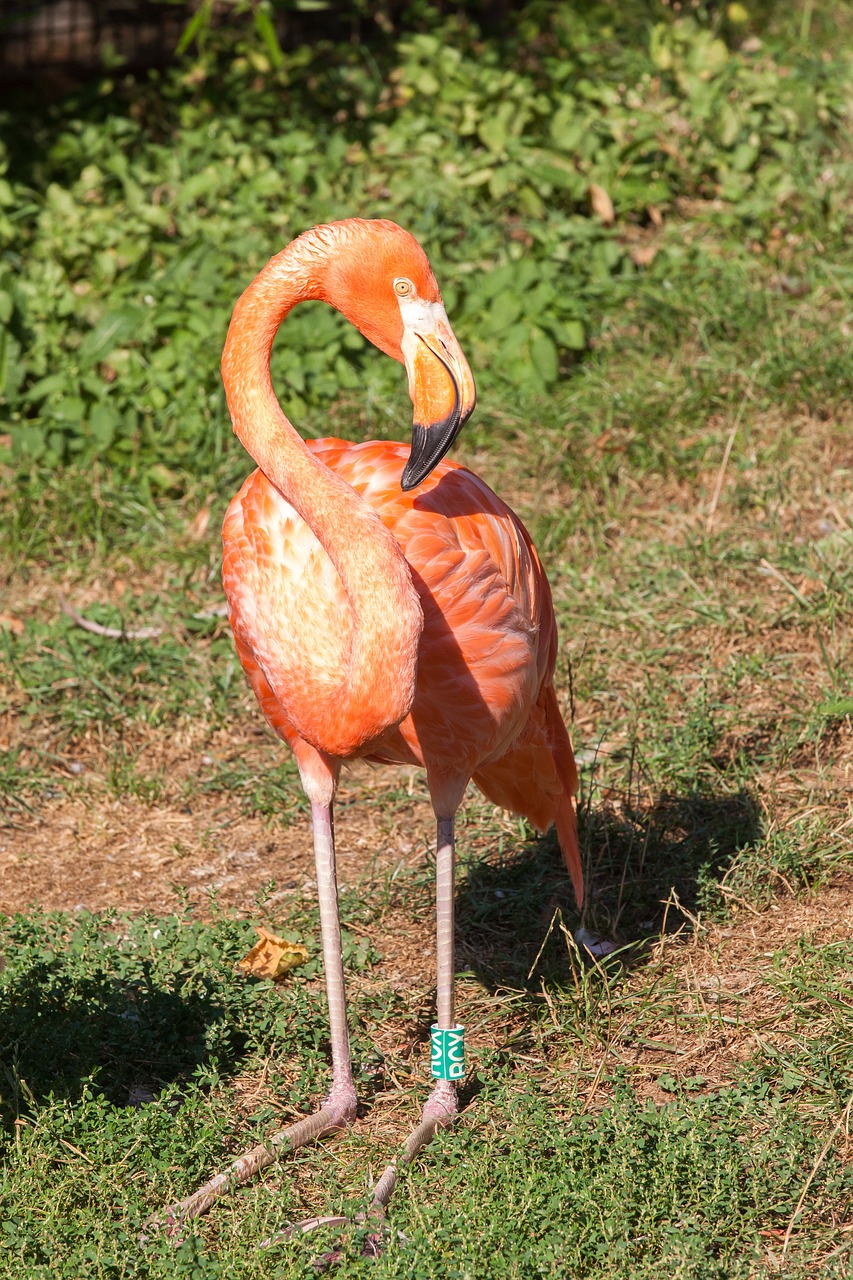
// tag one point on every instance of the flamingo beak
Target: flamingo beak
(440, 383)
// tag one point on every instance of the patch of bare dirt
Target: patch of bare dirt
(126, 854)
(99, 852)
(704, 1006)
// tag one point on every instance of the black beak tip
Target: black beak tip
(429, 445)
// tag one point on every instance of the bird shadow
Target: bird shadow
(648, 868)
(131, 1039)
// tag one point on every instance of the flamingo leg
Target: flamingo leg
(442, 1105)
(339, 1108)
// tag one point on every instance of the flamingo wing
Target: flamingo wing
(484, 704)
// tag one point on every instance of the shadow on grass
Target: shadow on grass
(66, 1021)
(637, 860)
(60, 1031)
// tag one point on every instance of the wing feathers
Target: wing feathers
(484, 705)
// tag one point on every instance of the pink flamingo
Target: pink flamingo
(386, 606)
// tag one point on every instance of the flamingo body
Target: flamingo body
(483, 706)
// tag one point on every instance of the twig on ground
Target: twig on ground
(770, 571)
(137, 633)
(110, 633)
(721, 474)
(735, 897)
(842, 1119)
(215, 611)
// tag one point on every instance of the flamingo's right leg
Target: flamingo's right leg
(342, 1097)
(339, 1108)
(442, 1105)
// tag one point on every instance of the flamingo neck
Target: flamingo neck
(376, 690)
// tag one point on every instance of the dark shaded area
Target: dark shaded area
(133, 1008)
(637, 861)
(59, 1029)
(63, 43)
(67, 41)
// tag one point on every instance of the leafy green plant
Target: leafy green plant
(125, 239)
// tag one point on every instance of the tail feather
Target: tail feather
(566, 818)
(538, 778)
(566, 821)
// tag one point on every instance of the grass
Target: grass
(706, 667)
(588, 1115)
(683, 1108)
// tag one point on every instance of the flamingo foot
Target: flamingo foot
(337, 1112)
(371, 1244)
(439, 1112)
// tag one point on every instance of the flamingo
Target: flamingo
(386, 606)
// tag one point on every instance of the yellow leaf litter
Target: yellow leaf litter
(273, 957)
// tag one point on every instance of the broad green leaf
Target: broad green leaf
(495, 129)
(102, 427)
(744, 157)
(513, 343)
(112, 330)
(70, 408)
(567, 126)
(544, 356)
(659, 46)
(47, 387)
(728, 125)
(505, 309)
(30, 439)
(572, 335)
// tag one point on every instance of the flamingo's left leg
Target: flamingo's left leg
(442, 1105)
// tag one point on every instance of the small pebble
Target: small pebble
(593, 944)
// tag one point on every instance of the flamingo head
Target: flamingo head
(379, 277)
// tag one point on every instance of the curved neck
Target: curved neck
(377, 688)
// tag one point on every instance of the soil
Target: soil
(102, 853)
(99, 852)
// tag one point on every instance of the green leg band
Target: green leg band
(447, 1059)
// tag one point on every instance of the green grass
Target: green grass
(135, 213)
(665, 403)
(123, 1041)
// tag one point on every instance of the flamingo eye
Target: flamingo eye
(403, 287)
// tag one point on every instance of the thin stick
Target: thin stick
(742, 902)
(845, 1115)
(548, 932)
(721, 474)
(769, 571)
(215, 611)
(111, 633)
